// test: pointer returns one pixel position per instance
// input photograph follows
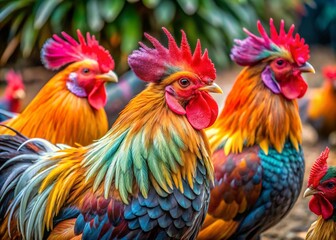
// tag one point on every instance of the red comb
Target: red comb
(319, 169)
(58, 52)
(151, 64)
(329, 72)
(14, 79)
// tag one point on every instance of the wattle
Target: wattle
(97, 97)
(202, 111)
(321, 206)
(294, 88)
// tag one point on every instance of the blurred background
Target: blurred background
(119, 25)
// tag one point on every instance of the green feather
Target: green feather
(39, 206)
(331, 173)
(154, 167)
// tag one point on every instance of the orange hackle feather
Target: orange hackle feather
(61, 111)
(322, 229)
(73, 119)
(248, 104)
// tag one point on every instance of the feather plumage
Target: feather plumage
(69, 108)
(148, 177)
(257, 156)
(322, 186)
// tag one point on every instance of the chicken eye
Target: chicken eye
(184, 82)
(86, 70)
(330, 185)
(280, 62)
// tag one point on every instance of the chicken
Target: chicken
(149, 177)
(118, 95)
(322, 185)
(14, 93)
(257, 157)
(69, 109)
(319, 109)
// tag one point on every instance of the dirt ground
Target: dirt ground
(295, 225)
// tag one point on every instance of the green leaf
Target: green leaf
(151, 3)
(11, 7)
(59, 16)
(16, 24)
(95, 21)
(110, 9)
(79, 18)
(131, 30)
(165, 12)
(28, 37)
(189, 6)
(210, 12)
(43, 12)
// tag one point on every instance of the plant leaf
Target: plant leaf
(188, 6)
(95, 21)
(59, 16)
(11, 7)
(43, 12)
(151, 3)
(165, 12)
(130, 29)
(28, 37)
(110, 9)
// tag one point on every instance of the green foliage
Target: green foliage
(26, 24)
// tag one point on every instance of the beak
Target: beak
(108, 77)
(307, 67)
(19, 94)
(310, 191)
(211, 88)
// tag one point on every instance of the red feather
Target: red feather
(319, 169)
(152, 64)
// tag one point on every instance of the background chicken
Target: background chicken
(119, 95)
(322, 185)
(257, 157)
(148, 178)
(319, 109)
(11, 101)
(70, 107)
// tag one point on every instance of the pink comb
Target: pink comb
(151, 64)
(253, 48)
(329, 72)
(319, 168)
(58, 52)
(14, 79)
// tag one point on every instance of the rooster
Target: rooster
(149, 177)
(257, 157)
(14, 93)
(319, 109)
(322, 185)
(69, 109)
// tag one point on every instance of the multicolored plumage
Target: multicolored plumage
(149, 177)
(257, 157)
(14, 93)
(322, 186)
(318, 109)
(69, 108)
